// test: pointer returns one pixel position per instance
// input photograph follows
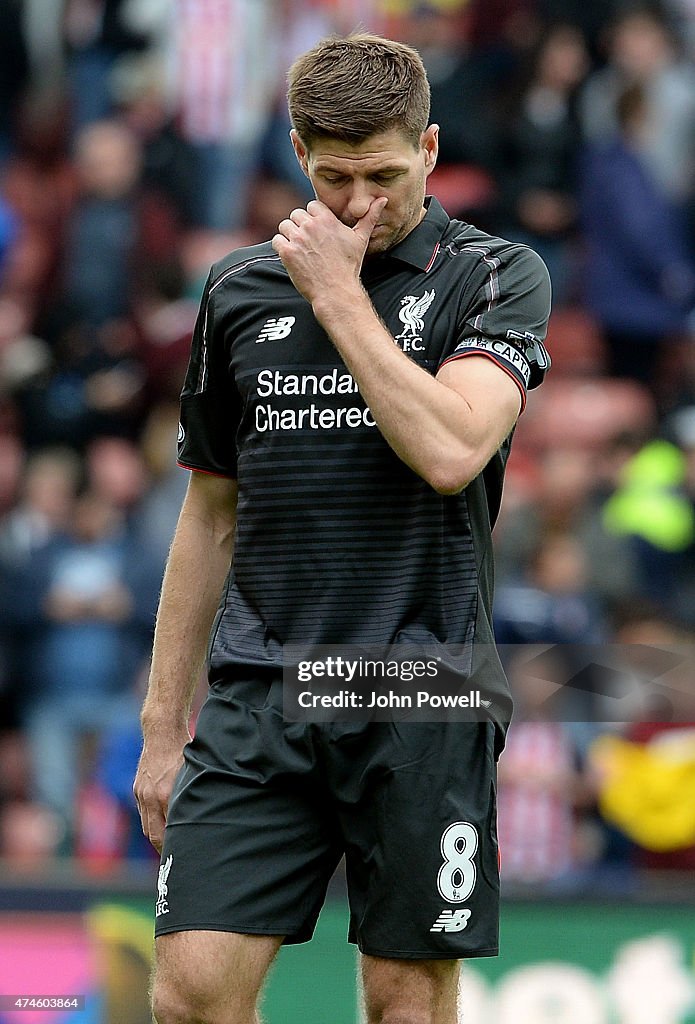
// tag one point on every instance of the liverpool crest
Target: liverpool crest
(162, 888)
(411, 314)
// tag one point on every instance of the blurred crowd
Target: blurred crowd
(142, 139)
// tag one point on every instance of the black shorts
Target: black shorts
(263, 809)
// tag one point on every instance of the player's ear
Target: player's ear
(429, 142)
(300, 151)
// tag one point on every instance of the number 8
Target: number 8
(456, 878)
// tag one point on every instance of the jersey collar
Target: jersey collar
(420, 246)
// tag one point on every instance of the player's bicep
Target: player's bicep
(493, 397)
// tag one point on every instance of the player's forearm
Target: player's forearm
(430, 426)
(196, 570)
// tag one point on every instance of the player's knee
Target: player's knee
(398, 1009)
(171, 1006)
(176, 1005)
(209, 978)
(185, 993)
(168, 1007)
(417, 992)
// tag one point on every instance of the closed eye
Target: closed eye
(387, 179)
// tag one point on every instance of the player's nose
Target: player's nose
(359, 202)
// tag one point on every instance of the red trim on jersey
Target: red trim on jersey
(432, 258)
(488, 355)
(207, 472)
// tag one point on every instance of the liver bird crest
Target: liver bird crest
(412, 312)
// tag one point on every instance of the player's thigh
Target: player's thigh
(410, 991)
(211, 975)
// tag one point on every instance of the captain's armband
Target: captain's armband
(523, 356)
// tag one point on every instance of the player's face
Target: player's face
(349, 178)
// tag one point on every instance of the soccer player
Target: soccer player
(347, 414)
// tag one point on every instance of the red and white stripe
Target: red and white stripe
(535, 822)
(224, 66)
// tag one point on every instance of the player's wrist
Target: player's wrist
(344, 302)
(160, 723)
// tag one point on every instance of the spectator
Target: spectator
(552, 603)
(683, 14)
(39, 186)
(76, 601)
(639, 272)
(104, 225)
(44, 508)
(168, 178)
(642, 52)
(117, 763)
(95, 386)
(11, 467)
(653, 507)
(222, 58)
(646, 775)
(571, 485)
(539, 152)
(43, 23)
(503, 27)
(118, 476)
(96, 33)
(542, 784)
(116, 472)
(463, 85)
(14, 72)
(165, 317)
(8, 232)
(590, 16)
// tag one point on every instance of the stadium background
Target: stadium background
(140, 140)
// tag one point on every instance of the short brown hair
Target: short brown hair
(349, 88)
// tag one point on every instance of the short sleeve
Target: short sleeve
(210, 404)
(504, 315)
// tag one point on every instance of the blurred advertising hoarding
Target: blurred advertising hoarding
(562, 962)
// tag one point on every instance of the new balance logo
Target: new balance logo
(276, 328)
(451, 921)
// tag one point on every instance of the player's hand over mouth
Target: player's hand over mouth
(319, 252)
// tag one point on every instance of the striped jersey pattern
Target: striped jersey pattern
(338, 541)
